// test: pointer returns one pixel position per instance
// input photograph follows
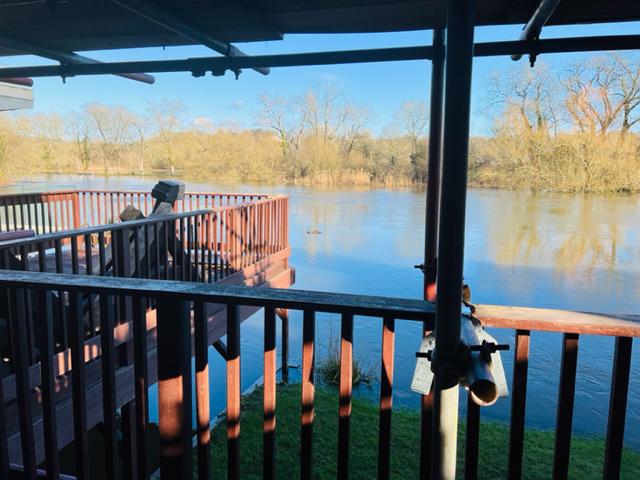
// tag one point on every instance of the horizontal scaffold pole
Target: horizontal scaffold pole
(219, 65)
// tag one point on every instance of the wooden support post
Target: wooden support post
(283, 313)
(174, 388)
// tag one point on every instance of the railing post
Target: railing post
(617, 407)
(75, 198)
(459, 60)
(283, 313)
(174, 388)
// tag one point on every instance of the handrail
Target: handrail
(98, 190)
(177, 330)
(73, 208)
(555, 320)
(110, 227)
(499, 316)
(365, 305)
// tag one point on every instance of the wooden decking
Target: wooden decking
(216, 239)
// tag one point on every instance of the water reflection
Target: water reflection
(576, 235)
(548, 250)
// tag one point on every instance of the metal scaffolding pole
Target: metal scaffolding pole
(459, 60)
(431, 225)
(434, 167)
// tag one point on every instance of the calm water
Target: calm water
(546, 250)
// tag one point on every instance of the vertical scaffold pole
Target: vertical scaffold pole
(434, 166)
(431, 225)
(458, 68)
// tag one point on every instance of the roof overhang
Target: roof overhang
(82, 25)
(15, 97)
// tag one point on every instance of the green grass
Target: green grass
(586, 453)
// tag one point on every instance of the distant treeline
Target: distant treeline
(571, 131)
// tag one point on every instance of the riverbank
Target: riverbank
(586, 453)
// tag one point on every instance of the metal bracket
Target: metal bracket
(533, 54)
(477, 362)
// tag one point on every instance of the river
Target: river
(551, 250)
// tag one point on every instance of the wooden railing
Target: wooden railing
(68, 209)
(176, 331)
(197, 246)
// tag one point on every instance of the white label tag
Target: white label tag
(423, 376)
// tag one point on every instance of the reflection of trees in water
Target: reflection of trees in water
(575, 235)
(329, 218)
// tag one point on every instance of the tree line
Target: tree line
(575, 129)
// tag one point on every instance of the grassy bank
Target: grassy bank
(586, 458)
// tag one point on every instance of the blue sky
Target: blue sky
(382, 86)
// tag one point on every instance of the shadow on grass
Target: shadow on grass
(586, 453)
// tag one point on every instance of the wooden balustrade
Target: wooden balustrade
(62, 210)
(197, 246)
(175, 426)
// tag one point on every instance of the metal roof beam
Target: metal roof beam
(199, 66)
(531, 31)
(66, 58)
(168, 20)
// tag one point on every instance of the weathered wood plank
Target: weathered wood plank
(216, 293)
(565, 321)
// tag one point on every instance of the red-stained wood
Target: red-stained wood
(345, 392)
(269, 401)
(203, 417)
(564, 321)
(386, 398)
(174, 388)
(233, 393)
(566, 398)
(518, 403)
(308, 394)
(617, 407)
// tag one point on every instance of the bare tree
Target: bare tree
(412, 119)
(593, 99)
(322, 113)
(629, 86)
(140, 130)
(113, 127)
(166, 119)
(283, 116)
(531, 94)
(354, 123)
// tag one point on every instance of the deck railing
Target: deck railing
(196, 246)
(68, 209)
(175, 332)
